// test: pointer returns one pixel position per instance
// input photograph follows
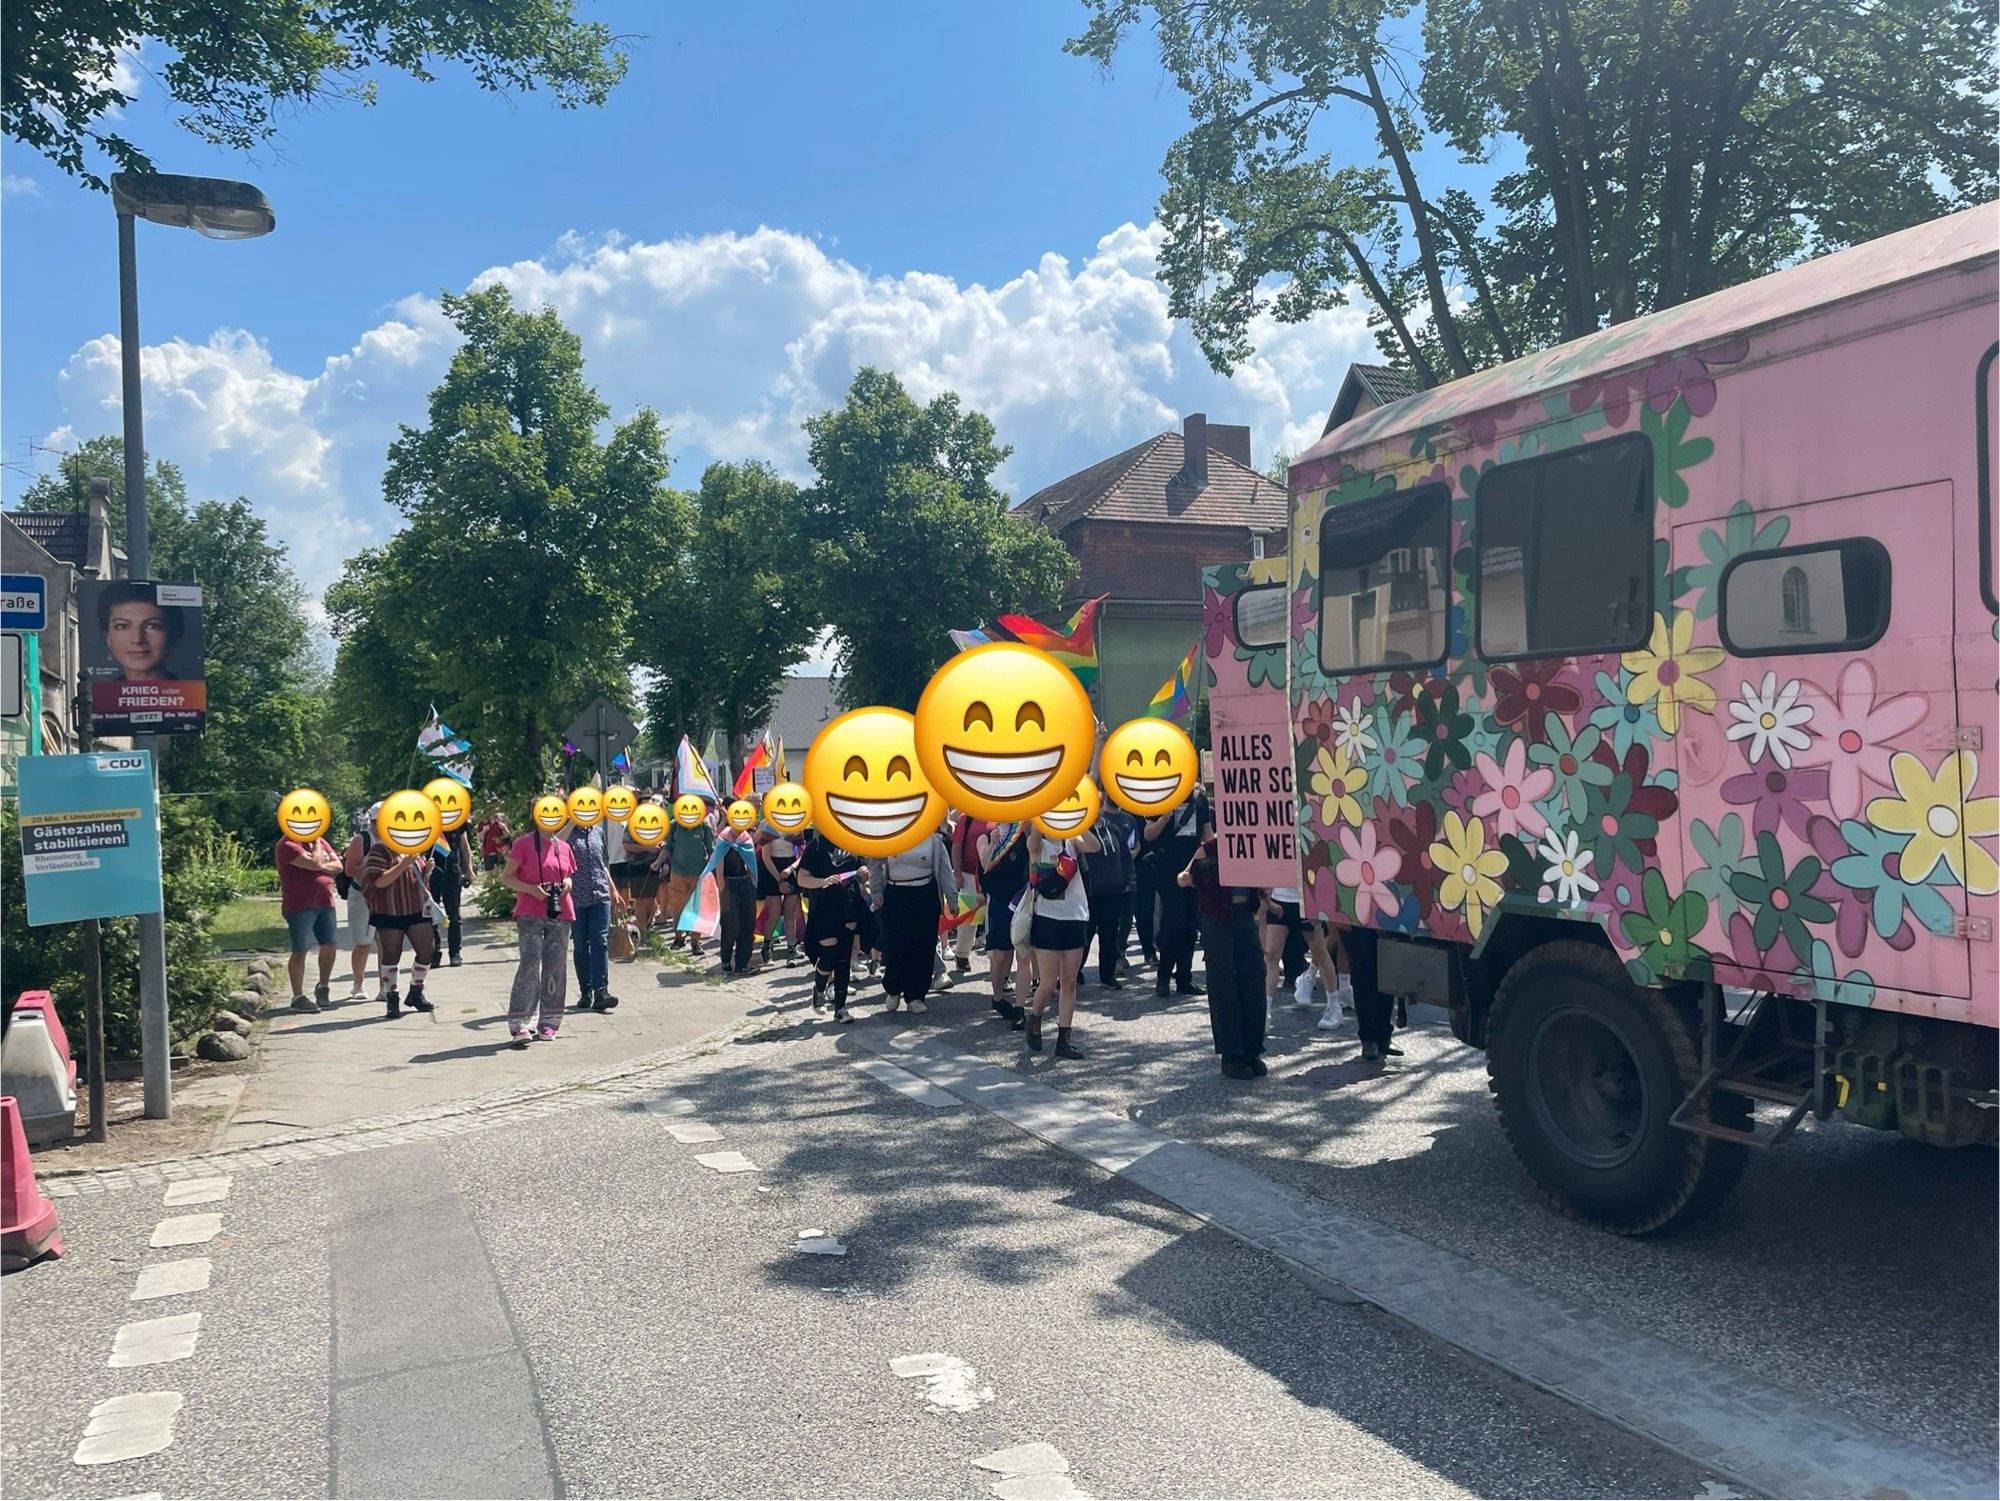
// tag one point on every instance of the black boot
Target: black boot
(394, 1004)
(1064, 1047)
(416, 1001)
(1034, 1032)
(606, 1001)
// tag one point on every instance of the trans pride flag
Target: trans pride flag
(690, 775)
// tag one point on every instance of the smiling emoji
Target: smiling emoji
(303, 814)
(742, 814)
(1073, 814)
(1148, 766)
(408, 822)
(550, 812)
(690, 808)
(619, 803)
(454, 802)
(648, 824)
(1004, 731)
(586, 806)
(788, 807)
(865, 782)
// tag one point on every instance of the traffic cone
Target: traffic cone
(27, 1215)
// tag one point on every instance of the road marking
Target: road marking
(187, 1230)
(819, 1243)
(128, 1427)
(689, 1133)
(1030, 1472)
(727, 1162)
(171, 1278)
(196, 1191)
(907, 1085)
(668, 1104)
(1753, 1432)
(950, 1385)
(155, 1341)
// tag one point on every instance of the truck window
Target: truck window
(1986, 405)
(1566, 552)
(1383, 580)
(1263, 615)
(1831, 596)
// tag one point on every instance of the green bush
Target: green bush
(491, 899)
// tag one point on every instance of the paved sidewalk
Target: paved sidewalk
(351, 1063)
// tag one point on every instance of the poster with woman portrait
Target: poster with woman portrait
(142, 656)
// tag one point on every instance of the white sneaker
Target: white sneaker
(1345, 994)
(1334, 1017)
(895, 1005)
(943, 982)
(918, 1008)
(1302, 992)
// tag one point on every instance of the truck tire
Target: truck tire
(1586, 1070)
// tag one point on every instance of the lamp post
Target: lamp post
(220, 210)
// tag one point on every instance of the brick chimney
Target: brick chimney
(1194, 435)
(1232, 439)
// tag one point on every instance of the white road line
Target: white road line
(819, 1243)
(187, 1230)
(155, 1341)
(196, 1191)
(668, 1104)
(171, 1278)
(950, 1385)
(1030, 1472)
(128, 1427)
(727, 1162)
(689, 1133)
(906, 1084)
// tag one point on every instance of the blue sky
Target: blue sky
(774, 195)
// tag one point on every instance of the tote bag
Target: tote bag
(1024, 918)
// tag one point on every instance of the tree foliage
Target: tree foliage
(506, 598)
(1668, 147)
(909, 537)
(238, 65)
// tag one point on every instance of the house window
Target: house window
(1830, 596)
(1566, 552)
(1378, 560)
(1797, 600)
(1263, 615)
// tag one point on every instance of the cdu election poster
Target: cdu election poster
(90, 835)
(142, 656)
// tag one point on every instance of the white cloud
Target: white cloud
(735, 339)
(14, 185)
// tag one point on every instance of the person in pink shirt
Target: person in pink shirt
(538, 871)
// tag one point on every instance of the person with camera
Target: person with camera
(539, 872)
(1059, 931)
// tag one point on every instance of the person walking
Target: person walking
(349, 887)
(1003, 872)
(1108, 880)
(965, 832)
(593, 899)
(451, 873)
(493, 839)
(306, 869)
(735, 874)
(398, 905)
(911, 890)
(682, 859)
(778, 891)
(1175, 836)
(836, 881)
(1059, 932)
(643, 883)
(1229, 939)
(539, 871)
(1374, 1021)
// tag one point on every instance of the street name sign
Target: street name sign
(23, 601)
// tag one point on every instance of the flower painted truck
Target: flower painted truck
(1650, 679)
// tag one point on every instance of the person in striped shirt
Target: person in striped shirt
(398, 890)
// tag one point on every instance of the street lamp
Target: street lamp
(221, 210)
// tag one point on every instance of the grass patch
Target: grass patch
(250, 922)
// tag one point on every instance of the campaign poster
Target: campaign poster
(90, 835)
(142, 656)
(1249, 724)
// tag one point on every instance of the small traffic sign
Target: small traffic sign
(23, 601)
(604, 730)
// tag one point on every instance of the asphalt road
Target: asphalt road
(572, 1304)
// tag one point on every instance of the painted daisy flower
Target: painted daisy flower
(1335, 781)
(1942, 822)
(1471, 871)
(1353, 728)
(1568, 866)
(1667, 671)
(1772, 719)
(1367, 868)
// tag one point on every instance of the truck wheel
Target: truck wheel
(1586, 1069)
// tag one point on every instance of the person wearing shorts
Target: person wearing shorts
(360, 922)
(305, 896)
(1003, 876)
(398, 888)
(1059, 933)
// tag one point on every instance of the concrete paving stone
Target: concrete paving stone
(186, 1230)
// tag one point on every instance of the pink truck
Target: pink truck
(1646, 684)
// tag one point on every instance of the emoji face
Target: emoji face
(408, 822)
(303, 815)
(454, 802)
(619, 803)
(788, 806)
(867, 788)
(1073, 814)
(647, 825)
(742, 814)
(690, 808)
(550, 812)
(1148, 766)
(586, 806)
(1004, 731)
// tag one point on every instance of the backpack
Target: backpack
(342, 881)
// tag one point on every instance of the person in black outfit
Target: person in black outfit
(739, 905)
(836, 886)
(1235, 954)
(451, 873)
(1372, 1019)
(1003, 865)
(1175, 837)
(1108, 879)
(1145, 893)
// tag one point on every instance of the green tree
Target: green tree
(505, 600)
(103, 458)
(1670, 147)
(910, 539)
(240, 65)
(724, 620)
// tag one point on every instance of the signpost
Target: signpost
(23, 601)
(604, 730)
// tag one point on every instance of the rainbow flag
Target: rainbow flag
(759, 755)
(690, 775)
(1075, 645)
(963, 909)
(1174, 699)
